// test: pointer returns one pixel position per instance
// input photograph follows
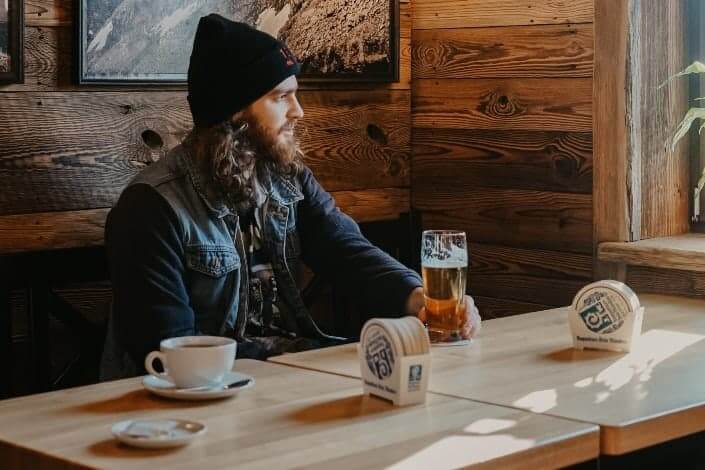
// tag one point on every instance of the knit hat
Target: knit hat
(232, 65)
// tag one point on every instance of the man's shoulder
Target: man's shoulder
(306, 181)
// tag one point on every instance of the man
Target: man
(210, 239)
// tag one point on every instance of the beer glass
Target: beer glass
(444, 266)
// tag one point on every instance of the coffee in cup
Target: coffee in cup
(193, 361)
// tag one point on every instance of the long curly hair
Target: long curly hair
(230, 153)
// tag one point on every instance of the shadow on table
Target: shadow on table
(343, 409)
(114, 448)
(135, 401)
(576, 355)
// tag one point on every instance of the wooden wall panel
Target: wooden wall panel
(492, 307)
(502, 142)
(513, 217)
(509, 159)
(545, 277)
(439, 14)
(660, 42)
(666, 281)
(520, 51)
(49, 12)
(563, 104)
(72, 151)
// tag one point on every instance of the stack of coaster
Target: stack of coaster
(606, 315)
(394, 359)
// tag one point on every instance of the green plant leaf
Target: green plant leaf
(701, 183)
(695, 67)
(684, 126)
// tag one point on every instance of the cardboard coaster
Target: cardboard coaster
(606, 315)
(393, 363)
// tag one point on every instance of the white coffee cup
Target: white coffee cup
(193, 361)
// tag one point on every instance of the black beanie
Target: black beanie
(232, 65)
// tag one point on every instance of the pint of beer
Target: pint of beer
(444, 265)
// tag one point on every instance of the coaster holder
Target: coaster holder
(401, 379)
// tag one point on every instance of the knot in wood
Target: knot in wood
(376, 133)
(498, 104)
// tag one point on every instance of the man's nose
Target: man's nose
(296, 111)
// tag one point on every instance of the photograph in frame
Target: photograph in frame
(139, 41)
(11, 35)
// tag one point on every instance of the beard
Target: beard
(278, 147)
(233, 152)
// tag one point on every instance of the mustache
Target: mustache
(290, 126)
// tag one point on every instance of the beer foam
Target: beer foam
(446, 263)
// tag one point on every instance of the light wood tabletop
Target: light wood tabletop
(290, 418)
(654, 394)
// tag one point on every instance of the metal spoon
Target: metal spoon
(236, 384)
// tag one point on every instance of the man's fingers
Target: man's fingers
(422, 314)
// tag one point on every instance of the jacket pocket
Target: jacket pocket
(212, 260)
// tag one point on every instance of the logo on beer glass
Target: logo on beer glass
(598, 319)
(379, 355)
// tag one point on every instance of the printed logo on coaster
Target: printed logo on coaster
(599, 319)
(415, 377)
(379, 354)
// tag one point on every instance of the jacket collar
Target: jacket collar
(278, 187)
(211, 198)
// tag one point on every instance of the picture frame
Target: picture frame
(11, 41)
(116, 46)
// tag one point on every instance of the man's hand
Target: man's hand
(471, 326)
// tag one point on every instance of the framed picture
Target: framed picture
(130, 42)
(11, 37)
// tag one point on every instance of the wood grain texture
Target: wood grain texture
(49, 12)
(631, 396)
(684, 252)
(528, 103)
(432, 14)
(666, 281)
(511, 159)
(292, 418)
(554, 221)
(511, 52)
(51, 230)
(535, 276)
(659, 45)
(612, 212)
(357, 139)
(353, 140)
(491, 307)
(373, 205)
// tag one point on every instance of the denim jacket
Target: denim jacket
(178, 263)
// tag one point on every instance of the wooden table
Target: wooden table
(654, 394)
(290, 418)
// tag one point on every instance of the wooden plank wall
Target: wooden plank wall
(66, 152)
(502, 142)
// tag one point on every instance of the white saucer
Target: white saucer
(157, 433)
(167, 389)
